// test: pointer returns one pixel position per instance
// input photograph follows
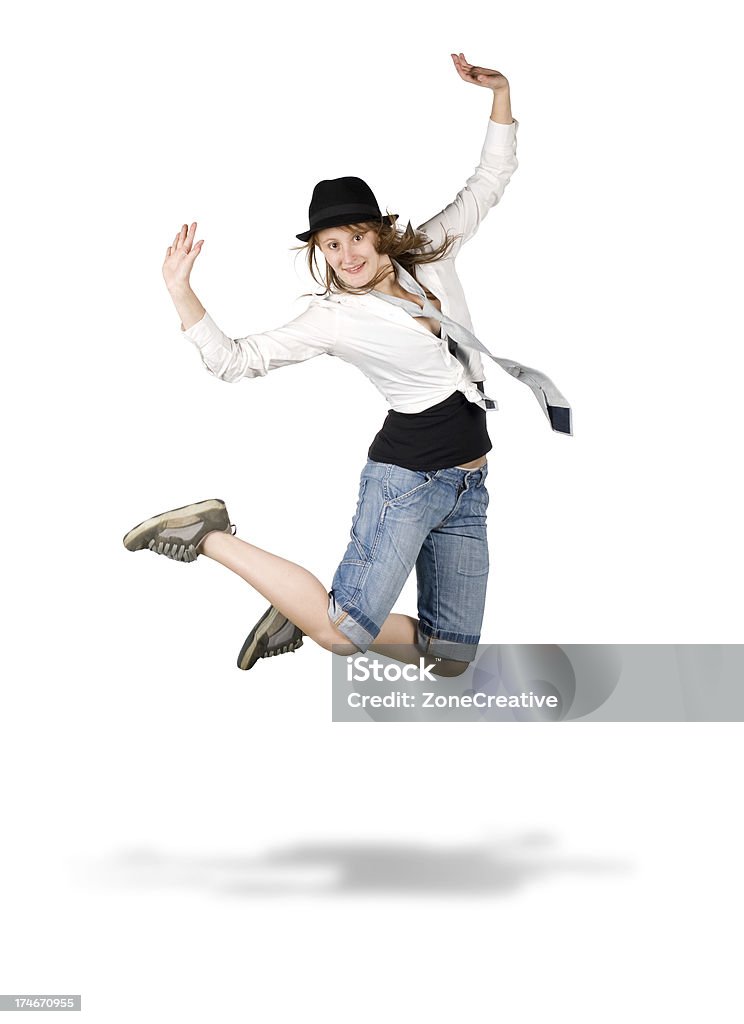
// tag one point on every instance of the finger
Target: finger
(190, 235)
(459, 68)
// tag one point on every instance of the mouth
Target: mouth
(355, 270)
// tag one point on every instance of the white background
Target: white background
(182, 841)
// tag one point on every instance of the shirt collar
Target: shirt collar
(407, 280)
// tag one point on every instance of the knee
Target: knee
(333, 640)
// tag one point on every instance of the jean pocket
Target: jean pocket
(473, 559)
(401, 484)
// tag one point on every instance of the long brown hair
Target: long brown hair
(401, 244)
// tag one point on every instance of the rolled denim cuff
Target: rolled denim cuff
(345, 623)
(465, 649)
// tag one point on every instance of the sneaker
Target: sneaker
(272, 634)
(178, 533)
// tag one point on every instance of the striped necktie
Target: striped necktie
(552, 402)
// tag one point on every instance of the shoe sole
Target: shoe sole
(255, 646)
(197, 509)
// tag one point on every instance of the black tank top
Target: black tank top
(444, 435)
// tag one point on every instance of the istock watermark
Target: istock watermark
(542, 683)
(364, 670)
(361, 670)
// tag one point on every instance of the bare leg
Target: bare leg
(397, 629)
(397, 639)
(304, 600)
(293, 590)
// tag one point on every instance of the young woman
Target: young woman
(394, 307)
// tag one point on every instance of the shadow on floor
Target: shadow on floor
(337, 868)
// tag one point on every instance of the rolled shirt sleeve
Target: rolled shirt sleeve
(312, 333)
(482, 190)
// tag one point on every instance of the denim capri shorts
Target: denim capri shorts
(435, 521)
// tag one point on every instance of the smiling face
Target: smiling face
(351, 253)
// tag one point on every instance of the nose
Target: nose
(348, 257)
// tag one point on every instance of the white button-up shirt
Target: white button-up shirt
(405, 361)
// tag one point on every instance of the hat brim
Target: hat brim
(339, 220)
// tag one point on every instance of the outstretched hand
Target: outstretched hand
(180, 257)
(493, 80)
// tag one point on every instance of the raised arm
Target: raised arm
(310, 334)
(485, 187)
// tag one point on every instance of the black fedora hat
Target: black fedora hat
(338, 201)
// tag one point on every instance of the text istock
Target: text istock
(360, 671)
